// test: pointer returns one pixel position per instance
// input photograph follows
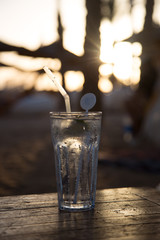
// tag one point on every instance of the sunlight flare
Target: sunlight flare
(122, 59)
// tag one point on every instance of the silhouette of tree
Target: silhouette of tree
(92, 50)
(97, 9)
(89, 62)
(149, 37)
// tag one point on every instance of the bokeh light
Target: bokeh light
(29, 63)
(122, 61)
(74, 25)
(106, 69)
(74, 81)
(44, 83)
(12, 78)
(105, 85)
(136, 49)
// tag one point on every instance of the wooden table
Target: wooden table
(123, 213)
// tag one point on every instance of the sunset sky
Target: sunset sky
(33, 23)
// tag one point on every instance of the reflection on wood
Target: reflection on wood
(125, 213)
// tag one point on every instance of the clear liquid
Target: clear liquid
(76, 151)
(76, 169)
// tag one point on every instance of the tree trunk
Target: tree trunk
(92, 50)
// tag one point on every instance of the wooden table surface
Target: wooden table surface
(123, 213)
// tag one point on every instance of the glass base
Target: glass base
(76, 207)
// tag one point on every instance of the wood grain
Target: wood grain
(124, 213)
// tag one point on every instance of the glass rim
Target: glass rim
(75, 114)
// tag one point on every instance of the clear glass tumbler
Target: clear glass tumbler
(76, 137)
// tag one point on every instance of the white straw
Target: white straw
(60, 88)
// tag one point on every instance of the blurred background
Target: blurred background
(108, 47)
